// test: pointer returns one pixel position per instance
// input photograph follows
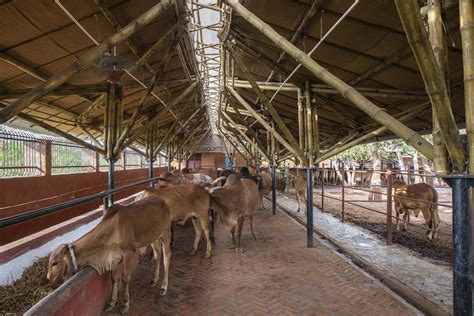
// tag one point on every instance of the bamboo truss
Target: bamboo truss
(375, 112)
(85, 60)
(409, 12)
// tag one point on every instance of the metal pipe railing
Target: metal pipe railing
(16, 219)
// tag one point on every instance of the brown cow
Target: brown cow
(116, 238)
(237, 199)
(300, 187)
(185, 202)
(280, 185)
(416, 197)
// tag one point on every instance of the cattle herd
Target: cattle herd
(126, 230)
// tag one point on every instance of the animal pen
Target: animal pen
(101, 99)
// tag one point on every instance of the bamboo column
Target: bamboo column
(409, 12)
(376, 113)
(301, 122)
(438, 43)
(266, 102)
(85, 60)
(316, 137)
(262, 122)
(309, 125)
(466, 15)
(113, 118)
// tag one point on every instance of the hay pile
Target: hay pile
(26, 291)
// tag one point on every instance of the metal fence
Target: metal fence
(25, 154)
(71, 158)
(20, 156)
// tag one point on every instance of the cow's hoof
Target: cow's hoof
(124, 310)
(109, 308)
(207, 255)
(153, 283)
(239, 250)
(163, 291)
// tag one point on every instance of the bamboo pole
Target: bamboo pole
(64, 90)
(316, 136)
(196, 130)
(85, 60)
(376, 113)
(438, 43)
(229, 120)
(232, 143)
(262, 122)
(239, 141)
(466, 15)
(407, 115)
(171, 106)
(88, 134)
(98, 101)
(301, 127)
(59, 132)
(309, 125)
(409, 12)
(151, 86)
(252, 133)
(266, 102)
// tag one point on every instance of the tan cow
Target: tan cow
(116, 238)
(300, 187)
(417, 197)
(185, 202)
(234, 201)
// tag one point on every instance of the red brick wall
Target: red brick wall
(17, 193)
(212, 160)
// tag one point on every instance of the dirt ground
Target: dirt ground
(439, 250)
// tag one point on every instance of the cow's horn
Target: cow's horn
(213, 183)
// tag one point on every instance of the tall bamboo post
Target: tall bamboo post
(466, 15)
(438, 43)
(410, 16)
(301, 127)
(262, 122)
(266, 102)
(309, 124)
(316, 136)
(85, 60)
(376, 113)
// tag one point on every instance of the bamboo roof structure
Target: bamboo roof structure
(40, 39)
(367, 49)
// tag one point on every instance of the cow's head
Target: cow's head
(220, 204)
(60, 265)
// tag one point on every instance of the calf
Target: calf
(185, 202)
(116, 238)
(416, 197)
(237, 199)
(265, 187)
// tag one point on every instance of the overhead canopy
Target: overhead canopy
(39, 40)
(368, 50)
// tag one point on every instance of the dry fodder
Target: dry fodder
(22, 294)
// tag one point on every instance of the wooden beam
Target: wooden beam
(85, 60)
(409, 12)
(376, 113)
